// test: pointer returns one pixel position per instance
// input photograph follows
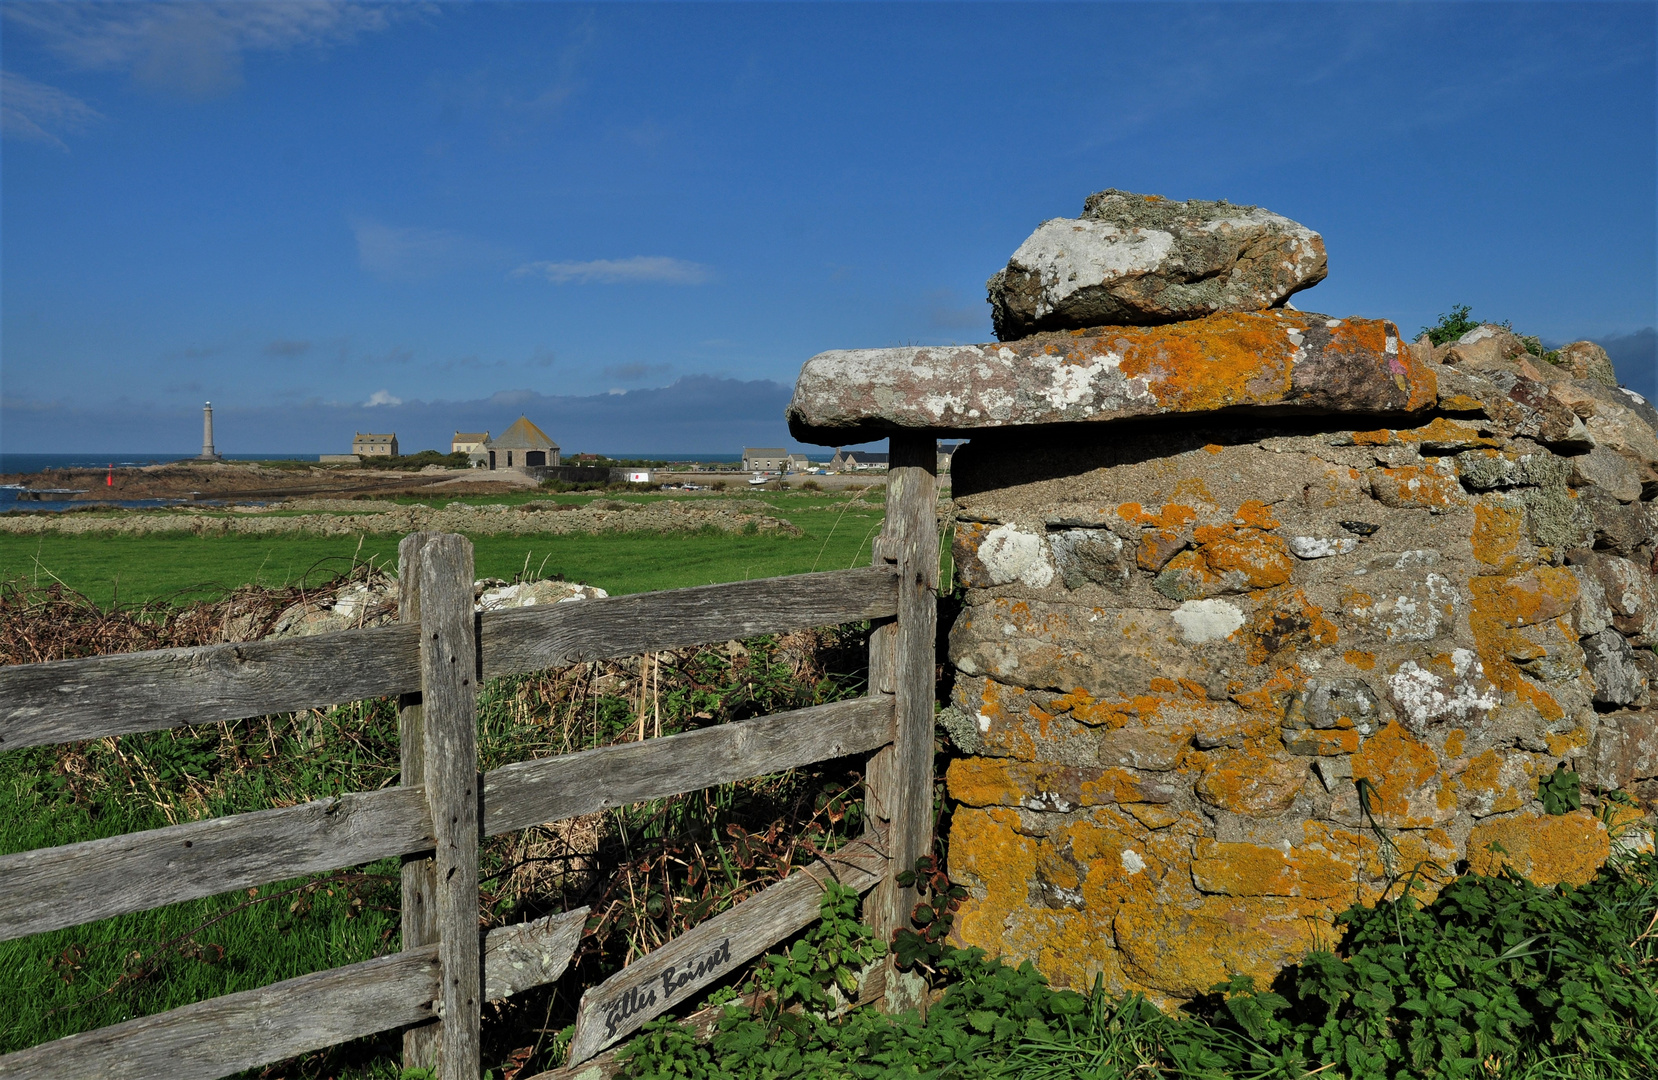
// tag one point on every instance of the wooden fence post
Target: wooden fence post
(449, 706)
(420, 1046)
(899, 792)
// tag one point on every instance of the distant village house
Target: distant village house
(856, 461)
(765, 458)
(521, 446)
(367, 444)
(468, 442)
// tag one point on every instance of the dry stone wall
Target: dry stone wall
(1195, 650)
(1265, 612)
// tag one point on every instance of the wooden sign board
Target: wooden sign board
(672, 974)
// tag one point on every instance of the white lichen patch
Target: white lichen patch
(1132, 861)
(1423, 697)
(1010, 554)
(1321, 547)
(1207, 620)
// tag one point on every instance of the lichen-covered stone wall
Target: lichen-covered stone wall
(1191, 645)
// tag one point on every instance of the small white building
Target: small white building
(765, 459)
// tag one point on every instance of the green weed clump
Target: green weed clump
(1496, 978)
(1459, 320)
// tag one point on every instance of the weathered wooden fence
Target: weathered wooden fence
(436, 658)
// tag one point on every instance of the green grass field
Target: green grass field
(134, 569)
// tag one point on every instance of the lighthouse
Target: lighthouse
(208, 453)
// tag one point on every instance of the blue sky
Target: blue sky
(634, 223)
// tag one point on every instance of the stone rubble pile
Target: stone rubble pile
(1264, 610)
(372, 601)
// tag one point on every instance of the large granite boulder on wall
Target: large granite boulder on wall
(1141, 260)
(1288, 361)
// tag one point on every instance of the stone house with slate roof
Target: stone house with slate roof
(521, 446)
(765, 459)
(368, 444)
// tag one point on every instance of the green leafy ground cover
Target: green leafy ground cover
(1495, 978)
(837, 531)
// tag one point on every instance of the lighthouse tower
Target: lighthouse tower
(208, 453)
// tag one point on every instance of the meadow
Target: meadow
(134, 569)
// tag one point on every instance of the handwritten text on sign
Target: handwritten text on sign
(637, 999)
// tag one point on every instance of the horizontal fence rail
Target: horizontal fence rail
(242, 1031)
(53, 888)
(70, 700)
(550, 789)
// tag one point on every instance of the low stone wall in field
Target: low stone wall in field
(342, 517)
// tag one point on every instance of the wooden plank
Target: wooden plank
(526, 955)
(449, 699)
(535, 792)
(66, 700)
(707, 952)
(419, 871)
(905, 779)
(63, 886)
(555, 635)
(227, 1034)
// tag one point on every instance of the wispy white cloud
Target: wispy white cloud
(382, 397)
(194, 49)
(632, 271)
(412, 253)
(35, 111)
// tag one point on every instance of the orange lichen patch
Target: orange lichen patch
(1415, 487)
(1500, 606)
(1545, 848)
(1211, 363)
(1164, 686)
(1444, 434)
(1364, 661)
(1461, 403)
(1323, 743)
(1251, 782)
(1497, 535)
(1110, 715)
(1183, 950)
(1526, 599)
(1569, 743)
(989, 781)
(1380, 437)
(1254, 514)
(1453, 743)
(1403, 772)
(1482, 788)
(1214, 448)
(1229, 560)
(1268, 699)
(1288, 620)
(1120, 786)
(1255, 870)
(1153, 815)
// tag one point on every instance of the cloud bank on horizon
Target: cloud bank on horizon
(323, 214)
(667, 420)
